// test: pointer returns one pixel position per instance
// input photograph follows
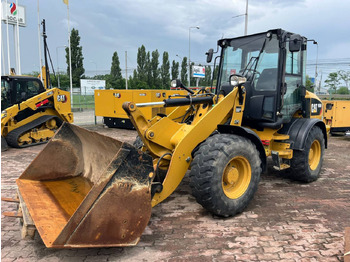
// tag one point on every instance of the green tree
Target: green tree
(148, 70)
(192, 79)
(174, 70)
(345, 76)
(115, 79)
(215, 75)
(332, 82)
(343, 90)
(206, 81)
(116, 71)
(155, 69)
(165, 71)
(77, 57)
(309, 85)
(141, 64)
(184, 71)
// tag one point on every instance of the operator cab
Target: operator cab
(16, 89)
(273, 64)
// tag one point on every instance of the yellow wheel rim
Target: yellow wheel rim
(236, 177)
(314, 155)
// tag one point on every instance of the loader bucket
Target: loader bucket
(88, 190)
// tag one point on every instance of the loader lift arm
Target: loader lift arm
(183, 138)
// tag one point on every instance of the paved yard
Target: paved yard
(286, 221)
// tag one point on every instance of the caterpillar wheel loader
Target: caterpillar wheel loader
(88, 190)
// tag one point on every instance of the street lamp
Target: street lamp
(58, 69)
(189, 53)
(95, 67)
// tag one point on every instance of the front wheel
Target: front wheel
(306, 164)
(225, 173)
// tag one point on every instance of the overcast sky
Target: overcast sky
(106, 26)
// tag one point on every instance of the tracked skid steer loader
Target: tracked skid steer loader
(31, 110)
(88, 190)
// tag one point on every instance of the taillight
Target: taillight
(45, 101)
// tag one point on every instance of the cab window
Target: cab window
(293, 80)
(26, 89)
(5, 94)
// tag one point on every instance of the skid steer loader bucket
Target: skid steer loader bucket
(88, 190)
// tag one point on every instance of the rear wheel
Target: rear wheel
(225, 173)
(306, 164)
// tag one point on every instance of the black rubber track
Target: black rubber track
(208, 166)
(12, 137)
(300, 169)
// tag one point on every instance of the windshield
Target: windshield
(240, 56)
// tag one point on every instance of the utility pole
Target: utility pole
(19, 71)
(39, 41)
(246, 19)
(189, 54)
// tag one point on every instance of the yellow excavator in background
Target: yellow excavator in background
(31, 111)
(87, 190)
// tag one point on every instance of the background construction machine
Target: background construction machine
(108, 104)
(31, 111)
(337, 115)
(88, 190)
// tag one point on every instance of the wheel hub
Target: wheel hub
(231, 176)
(314, 155)
(236, 177)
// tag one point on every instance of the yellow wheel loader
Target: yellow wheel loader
(88, 190)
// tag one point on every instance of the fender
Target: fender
(252, 136)
(298, 130)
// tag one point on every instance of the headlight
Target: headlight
(173, 83)
(3, 114)
(237, 80)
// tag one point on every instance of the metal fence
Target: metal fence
(84, 109)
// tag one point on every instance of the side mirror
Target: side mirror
(209, 55)
(295, 43)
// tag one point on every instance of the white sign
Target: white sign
(11, 12)
(198, 71)
(88, 86)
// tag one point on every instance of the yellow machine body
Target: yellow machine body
(108, 104)
(34, 114)
(93, 191)
(337, 115)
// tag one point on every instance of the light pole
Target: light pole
(95, 67)
(58, 69)
(189, 53)
(246, 18)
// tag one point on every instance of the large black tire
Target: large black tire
(306, 164)
(4, 145)
(216, 179)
